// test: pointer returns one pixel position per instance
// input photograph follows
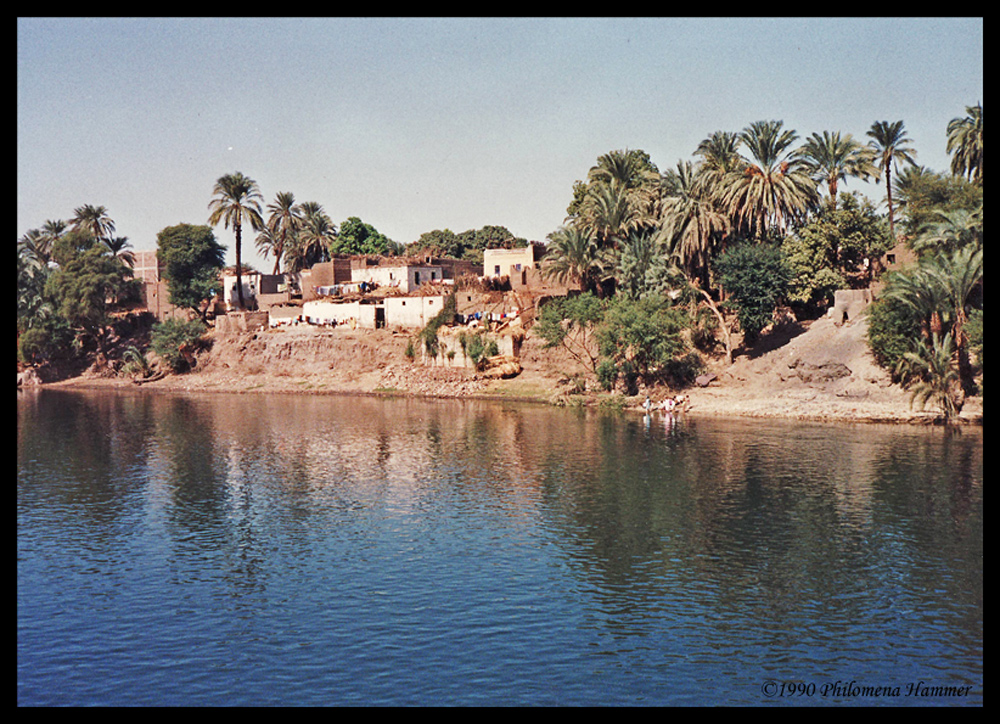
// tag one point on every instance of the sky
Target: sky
(416, 124)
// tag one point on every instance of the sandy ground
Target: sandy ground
(819, 372)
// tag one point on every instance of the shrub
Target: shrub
(171, 338)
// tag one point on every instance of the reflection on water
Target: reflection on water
(274, 549)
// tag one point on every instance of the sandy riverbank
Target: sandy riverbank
(823, 372)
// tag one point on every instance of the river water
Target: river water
(328, 550)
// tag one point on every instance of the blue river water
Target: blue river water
(296, 550)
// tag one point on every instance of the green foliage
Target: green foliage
(135, 361)
(939, 380)
(756, 277)
(169, 338)
(52, 338)
(429, 334)
(830, 251)
(86, 279)
(468, 244)
(922, 194)
(191, 259)
(974, 330)
(570, 322)
(357, 237)
(639, 337)
(893, 328)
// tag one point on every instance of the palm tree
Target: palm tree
(691, 224)
(891, 146)
(311, 244)
(237, 199)
(282, 225)
(957, 274)
(951, 230)
(831, 158)
(611, 212)
(939, 380)
(573, 255)
(118, 246)
(93, 219)
(774, 187)
(965, 141)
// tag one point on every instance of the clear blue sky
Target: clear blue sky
(419, 124)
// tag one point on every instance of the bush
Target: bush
(172, 338)
(893, 327)
(756, 277)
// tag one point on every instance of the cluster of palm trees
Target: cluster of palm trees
(298, 234)
(753, 185)
(39, 243)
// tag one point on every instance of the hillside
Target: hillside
(816, 371)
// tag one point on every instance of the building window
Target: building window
(496, 270)
(890, 258)
(517, 267)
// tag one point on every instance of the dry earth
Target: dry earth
(816, 371)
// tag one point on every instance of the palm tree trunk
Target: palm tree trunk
(239, 265)
(888, 196)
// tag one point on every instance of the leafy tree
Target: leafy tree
(174, 341)
(892, 146)
(965, 141)
(893, 328)
(635, 259)
(692, 224)
(921, 194)
(837, 248)
(192, 260)
(570, 322)
(950, 230)
(756, 277)
(237, 200)
(86, 278)
(638, 338)
(357, 237)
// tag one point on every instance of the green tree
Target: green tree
(283, 224)
(192, 260)
(236, 200)
(312, 243)
(638, 339)
(692, 225)
(894, 326)
(838, 247)
(175, 340)
(87, 277)
(832, 158)
(950, 230)
(357, 237)
(965, 142)
(891, 146)
(939, 381)
(573, 255)
(774, 188)
(93, 220)
(570, 323)
(920, 195)
(756, 277)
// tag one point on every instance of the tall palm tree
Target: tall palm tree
(237, 199)
(311, 244)
(284, 222)
(891, 146)
(831, 158)
(93, 219)
(691, 224)
(965, 141)
(774, 187)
